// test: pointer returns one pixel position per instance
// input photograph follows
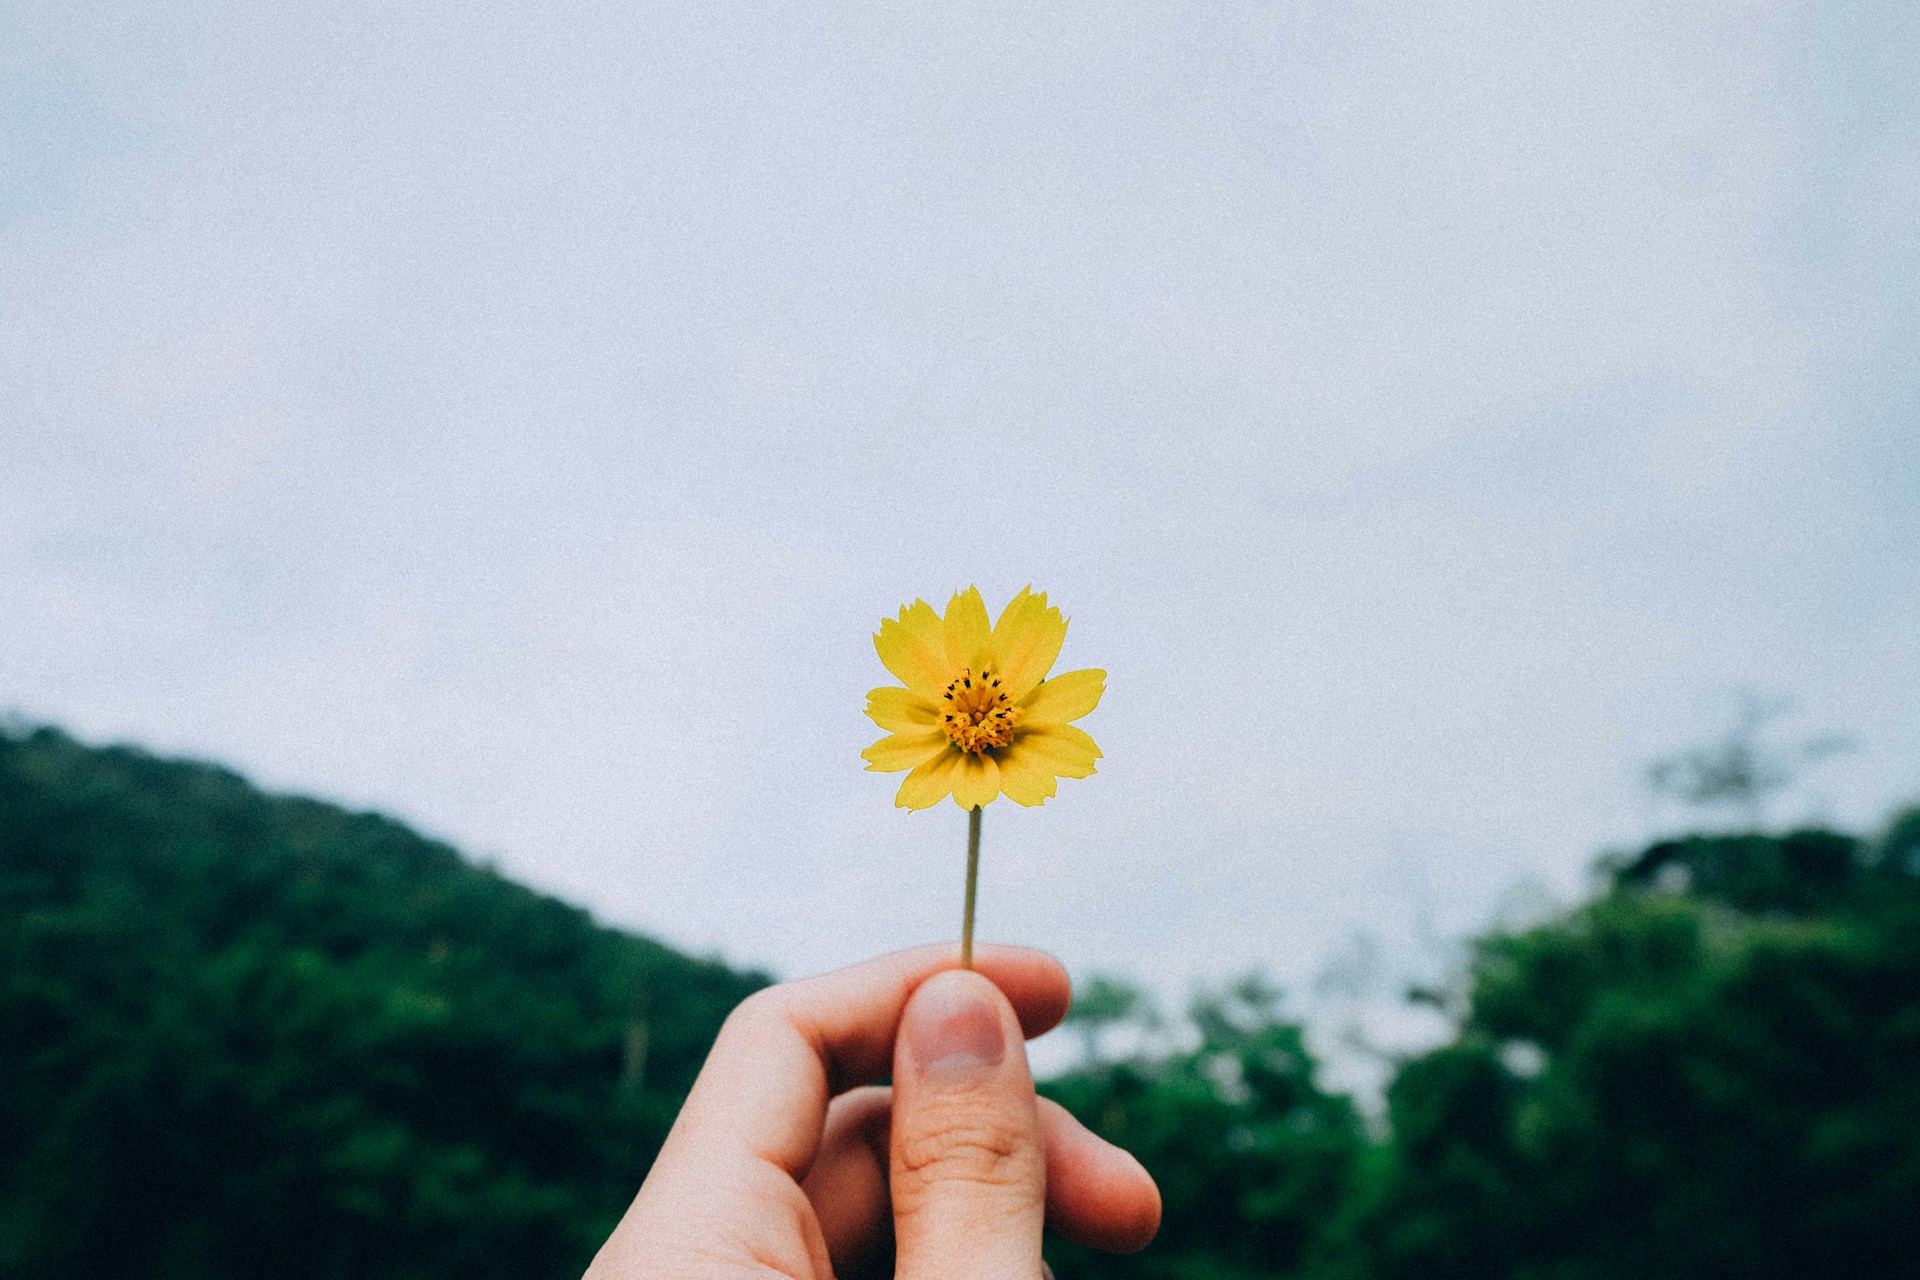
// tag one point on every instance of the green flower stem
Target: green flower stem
(973, 885)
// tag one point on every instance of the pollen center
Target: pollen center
(976, 711)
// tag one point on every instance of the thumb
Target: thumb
(968, 1173)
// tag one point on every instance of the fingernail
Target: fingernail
(951, 1027)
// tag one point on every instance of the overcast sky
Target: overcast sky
(518, 416)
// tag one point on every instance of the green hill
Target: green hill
(246, 1035)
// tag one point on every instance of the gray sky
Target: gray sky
(517, 417)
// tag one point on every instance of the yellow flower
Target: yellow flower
(978, 716)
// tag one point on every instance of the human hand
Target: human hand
(786, 1161)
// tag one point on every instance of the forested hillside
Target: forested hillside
(245, 1035)
(249, 1035)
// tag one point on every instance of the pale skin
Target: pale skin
(788, 1160)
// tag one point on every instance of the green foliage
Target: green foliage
(248, 1035)
(1250, 1155)
(1717, 1078)
(1713, 1069)
(253, 1035)
(1101, 1002)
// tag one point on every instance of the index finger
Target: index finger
(787, 1050)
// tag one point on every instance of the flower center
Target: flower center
(976, 711)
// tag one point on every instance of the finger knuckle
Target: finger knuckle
(985, 1152)
(764, 1007)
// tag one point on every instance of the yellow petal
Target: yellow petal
(904, 750)
(1011, 618)
(1026, 640)
(1067, 696)
(929, 783)
(912, 648)
(900, 710)
(967, 632)
(978, 781)
(1025, 780)
(1068, 751)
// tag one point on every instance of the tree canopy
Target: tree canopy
(1711, 1069)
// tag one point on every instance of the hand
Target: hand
(781, 1164)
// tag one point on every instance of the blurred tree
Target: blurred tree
(1251, 1156)
(1899, 849)
(1720, 1076)
(1102, 1003)
(1742, 771)
(1712, 1069)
